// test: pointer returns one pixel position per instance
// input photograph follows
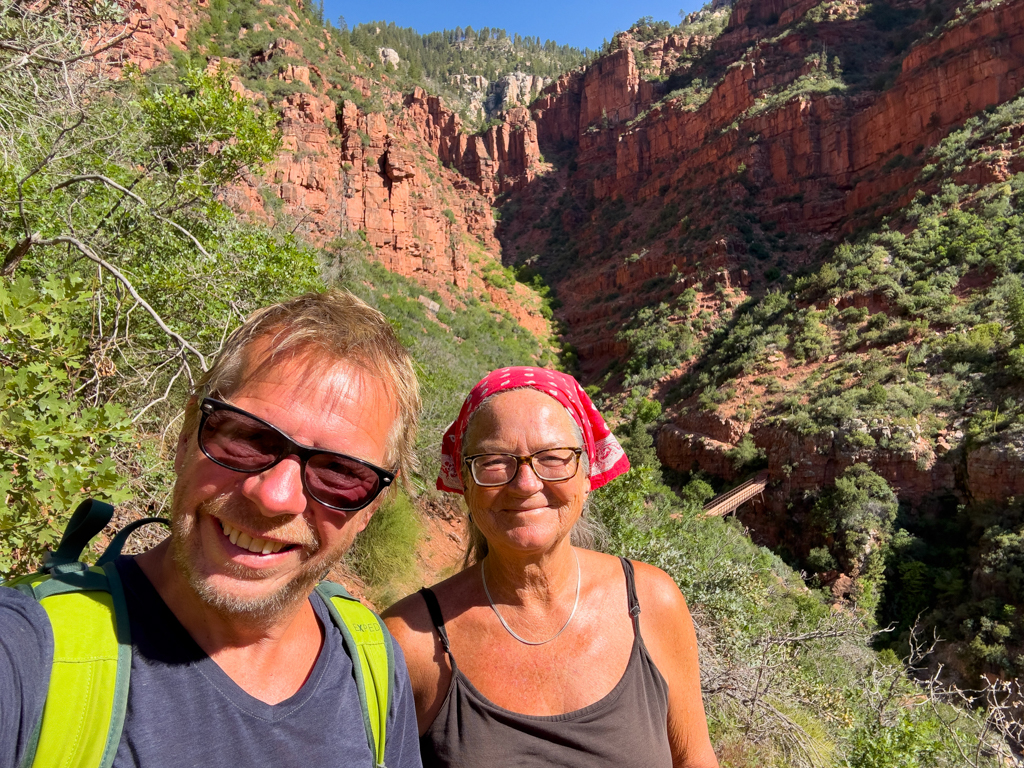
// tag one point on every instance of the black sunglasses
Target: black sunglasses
(237, 440)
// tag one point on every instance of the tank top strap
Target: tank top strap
(631, 598)
(434, 608)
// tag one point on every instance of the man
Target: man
(287, 448)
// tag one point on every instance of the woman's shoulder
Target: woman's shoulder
(658, 591)
(409, 612)
(410, 619)
(654, 587)
(411, 626)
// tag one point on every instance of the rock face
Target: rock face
(688, 451)
(417, 188)
(488, 100)
(502, 158)
(996, 471)
(773, 126)
(160, 27)
(345, 171)
(821, 147)
(800, 466)
(514, 90)
(817, 144)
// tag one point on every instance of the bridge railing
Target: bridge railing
(731, 500)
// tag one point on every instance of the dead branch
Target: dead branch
(88, 253)
(164, 396)
(30, 55)
(124, 190)
(17, 253)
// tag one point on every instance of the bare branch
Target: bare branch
(815, 635)
(124, 190)
(164, 396)
(17, 253)
(88, 253)
(42, 164)
(31, 54)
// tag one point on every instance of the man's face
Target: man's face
(341, 409)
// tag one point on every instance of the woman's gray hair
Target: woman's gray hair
(587, 533)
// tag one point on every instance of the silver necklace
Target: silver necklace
(575, 605)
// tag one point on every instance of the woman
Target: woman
(537, 654)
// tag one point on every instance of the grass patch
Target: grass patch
(384, 555)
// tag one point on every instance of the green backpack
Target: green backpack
(88, 691)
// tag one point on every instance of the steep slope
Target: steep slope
(358, 157)
(797, 228)
(764, 125)
(764, 157)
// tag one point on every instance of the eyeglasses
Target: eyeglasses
(240, 441)
(554, 465)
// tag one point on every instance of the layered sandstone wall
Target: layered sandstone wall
(345, 171)
(409, 179)
(827, 147)
(800, 466)
(161, 26)
(503, 158)
(818, 143)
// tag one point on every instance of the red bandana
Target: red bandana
(607, 459)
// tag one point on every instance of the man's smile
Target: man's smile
(254, 544)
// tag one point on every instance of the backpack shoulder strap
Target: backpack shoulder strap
(369, 644)
(88, 691)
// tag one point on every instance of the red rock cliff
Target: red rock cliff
(409, 178)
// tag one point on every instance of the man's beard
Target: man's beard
(186, 547)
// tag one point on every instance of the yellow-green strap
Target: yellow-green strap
(87, 695)
(366, 639)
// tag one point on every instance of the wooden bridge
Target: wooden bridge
(729, 501)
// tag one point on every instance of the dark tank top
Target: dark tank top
(628, 727)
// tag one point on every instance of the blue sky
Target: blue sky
(583, 23)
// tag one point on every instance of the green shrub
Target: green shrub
(811, 340)
(55, 449)
(820, 559)
(385, 552)
(902, 743)
(745, 456)
(859, 513)
(657, 344)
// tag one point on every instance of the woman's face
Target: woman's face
(528, 515)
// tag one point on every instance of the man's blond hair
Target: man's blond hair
(321, 330)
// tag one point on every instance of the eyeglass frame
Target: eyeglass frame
(520, 461)
(292, 448)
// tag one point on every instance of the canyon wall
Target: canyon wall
(420, 189)
(827, 146)
(776, 135)
(415, 186)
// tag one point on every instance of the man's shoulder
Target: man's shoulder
(26, 653)
(24, 620)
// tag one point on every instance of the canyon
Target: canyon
(757, 120)
(814, 164)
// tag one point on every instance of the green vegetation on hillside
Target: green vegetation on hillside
(787, 681)
(936, 357)
(246, 30)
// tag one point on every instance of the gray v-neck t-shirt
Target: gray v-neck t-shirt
(183, 709)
